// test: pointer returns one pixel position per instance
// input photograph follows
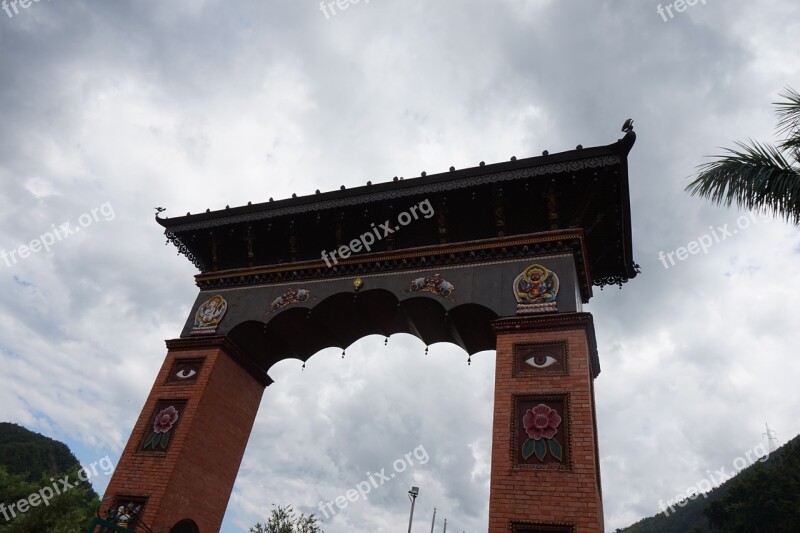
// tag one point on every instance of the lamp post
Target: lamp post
(412, 495)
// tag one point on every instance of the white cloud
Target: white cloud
(197, 105)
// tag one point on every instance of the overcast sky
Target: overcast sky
(119, 107)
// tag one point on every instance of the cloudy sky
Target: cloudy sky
(112, 108)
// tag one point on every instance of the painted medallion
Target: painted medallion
(536, 290)
(209, 315)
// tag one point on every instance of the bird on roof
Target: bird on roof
(628, 126)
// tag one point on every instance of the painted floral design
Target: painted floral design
(165, 420)
(541, 421)
(541, 424)
(163, 423)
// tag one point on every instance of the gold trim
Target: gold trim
(407, 254)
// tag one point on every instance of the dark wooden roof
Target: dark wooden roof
(583, 188)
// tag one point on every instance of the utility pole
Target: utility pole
(412, 495)
(445, 526)
(434, 519)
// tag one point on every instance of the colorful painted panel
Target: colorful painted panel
(434, 284)
(209, 315)
(125, 511)
(541, 431)
(534, 359)
(184, 371)
(164, 423)
(290, 297)
(536, 290)
(541, 527)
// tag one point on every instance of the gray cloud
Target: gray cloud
(192, 105)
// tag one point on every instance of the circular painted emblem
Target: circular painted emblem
(210, 313)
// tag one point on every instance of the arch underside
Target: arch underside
(343, 318)
(185, 526)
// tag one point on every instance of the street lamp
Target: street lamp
(412, 495)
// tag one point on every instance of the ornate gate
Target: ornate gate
(498, 256)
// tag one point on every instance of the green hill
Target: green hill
(31, 454)
(765, 497)
(32, 499)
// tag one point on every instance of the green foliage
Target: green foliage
(759, 176)
(764, 497)
(28, 461)
(31, 454)
(65, 513)
(688, 518)
(789, 120)
(284, 520)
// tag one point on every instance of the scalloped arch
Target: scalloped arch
(343, 318)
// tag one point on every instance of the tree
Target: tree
(68, 512)
(765, 497)
(284, 520)
(758, 176)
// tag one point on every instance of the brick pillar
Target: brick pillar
(208, 395)
(544, 388)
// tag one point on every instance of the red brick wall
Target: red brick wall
(195, 476)
(546, 495)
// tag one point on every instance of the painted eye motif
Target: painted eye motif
(185, 373)
(541, 361)
(185, 370)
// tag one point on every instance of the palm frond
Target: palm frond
(754, 176)
(788, 112)
(792, 145)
